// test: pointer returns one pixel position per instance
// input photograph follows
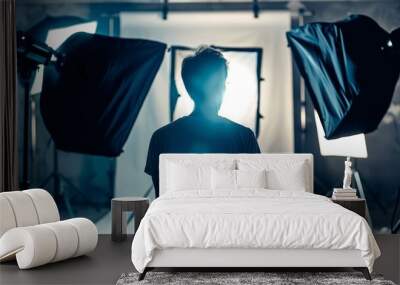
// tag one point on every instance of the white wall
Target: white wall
(239, 29)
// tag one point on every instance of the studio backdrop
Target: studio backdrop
(227, 29)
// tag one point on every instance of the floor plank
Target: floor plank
(389, 263)
(103, 266)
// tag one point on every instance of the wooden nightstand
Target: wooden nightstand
(358, 206)
(119, 207)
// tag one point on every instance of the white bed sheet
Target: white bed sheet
(250, 218)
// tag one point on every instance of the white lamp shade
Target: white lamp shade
(353, 146)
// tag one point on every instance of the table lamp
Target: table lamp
(350, 147)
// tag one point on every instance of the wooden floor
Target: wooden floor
(103, 266)
(110, 259)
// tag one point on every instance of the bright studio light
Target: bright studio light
(241, 94)
(353, 146)
(240, 100)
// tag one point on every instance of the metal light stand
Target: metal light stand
(30, 54)
(60, 182)
(395, 226)
(25, 78)
(360, 189)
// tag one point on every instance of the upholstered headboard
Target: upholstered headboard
(165, 159)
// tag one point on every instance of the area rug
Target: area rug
(244, 278)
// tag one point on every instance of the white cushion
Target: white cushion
(251, 178)
(26, 208)
(23, 208)
(7, 218)
(223, 179)
(188, 177)
(40, 244)
(31, 232)
(32, 246)
(185, 175)
(281, 174)
(87, 233)
(45, 206)
(264, 161)
(236, 179)
(289, 179)
(67, 239)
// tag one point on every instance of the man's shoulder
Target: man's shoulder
(166, 129)
(238, 127)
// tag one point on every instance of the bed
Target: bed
(247, 210)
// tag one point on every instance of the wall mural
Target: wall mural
(94, 176)
(379, 171)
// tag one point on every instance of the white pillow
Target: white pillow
(181, 177)
(290, 179)
(236, 179)
(251, 178)
(281, 174)
(223, 179)
(186, 174)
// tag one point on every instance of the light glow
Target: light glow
(353, 146)
(241, 94)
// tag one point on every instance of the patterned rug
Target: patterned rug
(244, 278)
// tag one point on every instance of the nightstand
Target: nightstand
(119, 207)
(358, 206)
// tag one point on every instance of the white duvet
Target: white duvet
(252, 218)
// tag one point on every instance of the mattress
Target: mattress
(250, 219)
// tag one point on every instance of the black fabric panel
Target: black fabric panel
(350, 68)
(90, 104)
(8, 99)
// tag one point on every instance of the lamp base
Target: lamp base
(344, 194)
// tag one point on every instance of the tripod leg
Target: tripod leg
(72, 186)
(70, 211)
(46, 181)
(360, 189)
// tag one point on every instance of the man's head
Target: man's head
(204, 75)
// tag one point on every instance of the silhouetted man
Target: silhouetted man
(203, 131)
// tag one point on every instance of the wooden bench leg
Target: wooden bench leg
(364, 271)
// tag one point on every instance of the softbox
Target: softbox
(91, 100)
(350, 69)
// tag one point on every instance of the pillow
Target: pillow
(282, 174)
(184, 177)
(223, 179)
(251, 178)
(236, 179)
(187, 174)
(290, 179)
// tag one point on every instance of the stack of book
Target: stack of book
(344, 194)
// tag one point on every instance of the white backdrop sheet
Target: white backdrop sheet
(233, 29)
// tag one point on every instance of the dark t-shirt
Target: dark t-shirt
(194, 134)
